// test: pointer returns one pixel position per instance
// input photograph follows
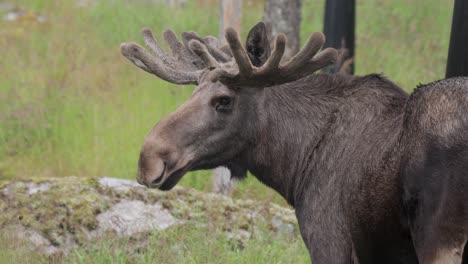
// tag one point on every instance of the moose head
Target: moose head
(224, 117)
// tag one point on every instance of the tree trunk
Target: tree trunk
(222, 181)
(229, 16)
(339, 30)
(284, 16)
(457, 62)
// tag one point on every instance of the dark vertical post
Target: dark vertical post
(340, 17)
(457, 62)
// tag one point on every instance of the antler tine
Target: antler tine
(174, 44)
(213, 47)
(265, 73)
(211, 41)
(226, 50)
(275, 58)
(239, 53)
(144, 60)
(182, 68)
(153, 46)
(180, 52)
(326, 57)
(313, 45)
(151, 43)
(211, 44)
(202, 51)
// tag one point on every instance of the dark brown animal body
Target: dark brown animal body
(434, 170)
(375, 176)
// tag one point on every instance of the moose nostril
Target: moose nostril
(139, 180)
(151, 170)
(140, 177)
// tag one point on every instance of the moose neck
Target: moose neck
(307, 122)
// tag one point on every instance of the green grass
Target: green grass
(190, 244)
(14, 251)
(72, 105)
(182, 244)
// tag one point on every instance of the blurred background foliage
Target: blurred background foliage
(70, 104)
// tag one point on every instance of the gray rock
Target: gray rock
(37, 187)
(18, 14)
(132, 217)
(117, 184)
(37, 242)
(282, 227)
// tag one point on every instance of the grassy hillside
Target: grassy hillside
(107, 221)
(72, 105)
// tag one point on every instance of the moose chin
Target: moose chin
(375, 175)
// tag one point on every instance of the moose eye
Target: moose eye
(223, 104)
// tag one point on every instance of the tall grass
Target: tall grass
(71, 105)
(191, 244)
(186, 243)
(14, 251)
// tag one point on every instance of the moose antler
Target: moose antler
(197, 54)
(305, 62)
(184, 67)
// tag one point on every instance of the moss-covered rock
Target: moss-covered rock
(65, 212)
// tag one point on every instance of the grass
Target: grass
(74, 105)
(182, 244)
(14, 251)
(190, 244)
(70, 104)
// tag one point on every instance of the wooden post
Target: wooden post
(457, 61)
(229, 16)
(339, 29)
(284, 16)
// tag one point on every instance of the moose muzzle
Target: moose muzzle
(151, 170)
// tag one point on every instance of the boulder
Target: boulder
(54, 215)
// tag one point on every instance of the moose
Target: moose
(375, 175)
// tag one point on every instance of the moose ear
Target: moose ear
(257, 44)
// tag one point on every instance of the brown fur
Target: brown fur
(375, 176)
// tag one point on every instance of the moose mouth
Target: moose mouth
(172, 180)
(167, 180)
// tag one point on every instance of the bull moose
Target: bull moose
(375, 175)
